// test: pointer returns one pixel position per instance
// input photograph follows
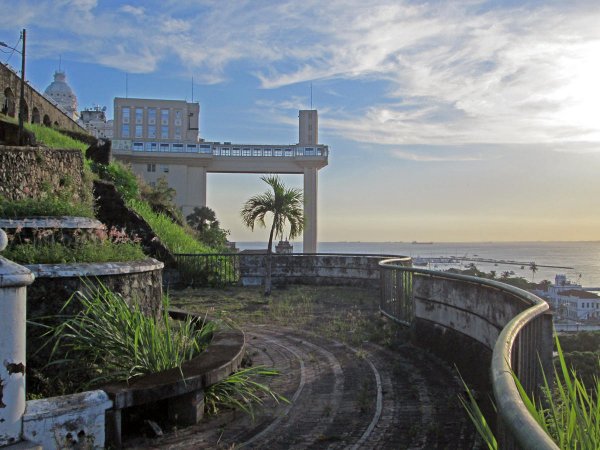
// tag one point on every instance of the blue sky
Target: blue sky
(447, 121)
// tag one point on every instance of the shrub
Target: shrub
(49, 205)
(110, 340)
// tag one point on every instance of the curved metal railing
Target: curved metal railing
(524, 336)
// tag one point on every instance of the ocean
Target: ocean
(582, 258)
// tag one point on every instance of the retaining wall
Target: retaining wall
(30, 172)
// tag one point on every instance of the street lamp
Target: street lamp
(22, 93)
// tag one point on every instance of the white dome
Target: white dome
(62, 94)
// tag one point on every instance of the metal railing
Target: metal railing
(208, 269)
(523, 345)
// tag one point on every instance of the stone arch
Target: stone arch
(9, 106)
(35, 115)
(46, 121)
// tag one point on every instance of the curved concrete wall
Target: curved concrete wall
(326, 269)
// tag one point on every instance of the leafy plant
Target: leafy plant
(124, 179)
(49, 205)
(113, 340)
(241, 390)
(569, 413)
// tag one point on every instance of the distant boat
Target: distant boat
(421, 243)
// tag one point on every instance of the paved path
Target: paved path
(341, 398)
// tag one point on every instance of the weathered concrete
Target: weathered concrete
(70, 421)
(13, 282)
(321, 269)
(183, 387)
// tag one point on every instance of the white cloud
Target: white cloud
(137, 11)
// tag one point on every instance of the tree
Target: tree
(202, 219)
(285, 205)
(534, 268)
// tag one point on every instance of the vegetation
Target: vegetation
(172, 235)
(47, 205)
(110, 340)
(241, 390)
(285, 204)
(53, 138)
(568, 412)
(123, 178)
(204, 221)
(59, 253)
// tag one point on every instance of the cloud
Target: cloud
(427, 157)
(137, 11)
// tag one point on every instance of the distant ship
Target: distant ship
(421, 243)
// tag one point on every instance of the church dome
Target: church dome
(62, 94)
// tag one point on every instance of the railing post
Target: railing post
(13, 282)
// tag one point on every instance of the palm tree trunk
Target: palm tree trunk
(268, 262)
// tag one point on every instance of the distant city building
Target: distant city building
(570, 301)
(148, 120)
(62, 95)
(160, 138)
(284, 247)
(94, 121)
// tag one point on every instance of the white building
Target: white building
(160, 138)
(94, 121)
(62, 95)
(570, 302)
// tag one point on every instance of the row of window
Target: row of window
(226, 151)
(150, 131)
(126, 112)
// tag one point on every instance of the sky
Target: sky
(446, 120)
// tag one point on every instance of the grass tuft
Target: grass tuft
(111, 340)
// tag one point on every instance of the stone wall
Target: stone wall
(340, 270)
(28, 172)
(38, 108)
(136, 281)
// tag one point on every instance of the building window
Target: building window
(125, 114)
(138, 131)
(125, 130)
(164, 132)
(164, 117)
(152, 116)
(164, 168)
(151, 167)
(178, 115)
(151, 147)
(177, 132)
(177, 148)
(164, 147)
(152, 131)
(246, 152)
(139, 115)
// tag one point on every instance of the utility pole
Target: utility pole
(20, 136)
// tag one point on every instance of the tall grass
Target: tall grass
(59, 253)
(50, 205)
(54, 139)
(117, 341)
(241, 390)
(569, 412)
(175, 237)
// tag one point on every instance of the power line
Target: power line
(14, 48)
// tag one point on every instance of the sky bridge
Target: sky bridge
(159, 138)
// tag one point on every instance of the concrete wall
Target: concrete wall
(39, 108)
(29, 172)
(340, 270)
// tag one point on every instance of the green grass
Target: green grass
(58, 253)
(50, 205)
(175, 237)
(54, 139)
(114, 341)
(568, 412)
(241, 390)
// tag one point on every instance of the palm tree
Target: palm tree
(534, 268)
(285, 204)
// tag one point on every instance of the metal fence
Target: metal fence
(523, 346)
(208, 269)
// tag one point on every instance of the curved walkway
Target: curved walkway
(340, 398)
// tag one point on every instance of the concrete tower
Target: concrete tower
(308, 127)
